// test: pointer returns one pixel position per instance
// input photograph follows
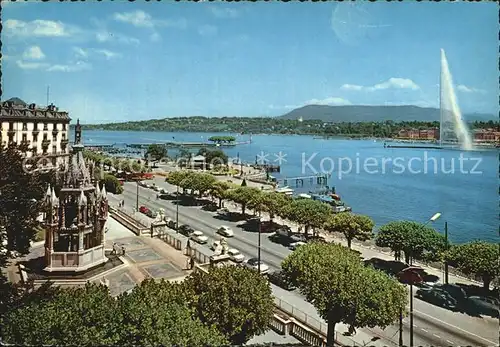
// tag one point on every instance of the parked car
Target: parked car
(170, 222)
(235, 255)
(484, 305)
(298, 238)
(277, 278)
(293, 246)
(151, 213)
(155, 188)
(186, 230)
(163, 191)
(198, 237)
(253, 263)
(223, 211)
(457, 292)
(225, 231)
(437, 297)
(164, 196)
(143, 209)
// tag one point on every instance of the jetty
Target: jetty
(178, 144)
(320, 179)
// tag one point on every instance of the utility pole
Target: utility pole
(401, 344)
(258, 247)
(445, 260)
(177, 211)
(137, 197)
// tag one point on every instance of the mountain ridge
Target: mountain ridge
(369, 113)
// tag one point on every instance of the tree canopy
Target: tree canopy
(476, 258)
(215, 157)
(22, 194)
(242, 196)
(238, 301)
(414, 239)
(353, 226)
(342, 289)
(156, 152)
(221, 139)
(309, 213)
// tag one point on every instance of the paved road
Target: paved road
(434, 325)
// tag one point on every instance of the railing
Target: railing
(301, 316)
(171, 239)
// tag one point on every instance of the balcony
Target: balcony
(35, 133)
(55, 132)
(64, 143)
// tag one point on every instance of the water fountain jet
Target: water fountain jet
(452, 126)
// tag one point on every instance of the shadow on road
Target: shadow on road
(231, 217)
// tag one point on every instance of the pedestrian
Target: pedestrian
(192, 263)
(114, 248)
(123, 250)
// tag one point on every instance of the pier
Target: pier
(320, 179)
(187, 144)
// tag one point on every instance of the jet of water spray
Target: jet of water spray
(450, 111)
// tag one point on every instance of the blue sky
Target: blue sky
(116, 61)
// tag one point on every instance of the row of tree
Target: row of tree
(408, 238)
(228, 306)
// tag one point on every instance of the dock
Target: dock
(320, 179)
(178, 144)
(416, 147)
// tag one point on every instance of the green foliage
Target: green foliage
(275, 203)
(353, 226)
(157, 313)
(414, 239)
(342, 289)
(476, 258)
(156, 152)
(176, 177)
(22, 194)
(214, 158)
(307, 212)
(85, 316)
(276, 125)
(219, 190)
(112, 184)
(242, 196)
(236, 300)
(220, 139)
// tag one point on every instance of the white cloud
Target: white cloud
(33, 53)
(142, 19)
(108, 54)
(30, 65)
(224, 12)
(207, 30)
(332, 101)
(155, 37)
(38, 28)
(78, 66)
(107, 36)
(391, 83)
(136, 18)
(465, 89)
(80, 52)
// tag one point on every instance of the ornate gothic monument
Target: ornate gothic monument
(74, 240)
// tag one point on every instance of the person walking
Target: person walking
(192, 263)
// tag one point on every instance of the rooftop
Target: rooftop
(17, 108)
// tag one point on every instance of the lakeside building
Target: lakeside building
(44, 130)
(487, 135)
(479, 135)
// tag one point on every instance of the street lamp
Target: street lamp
(137, 197)
(258, 247)
(177, 211)
(416, 277)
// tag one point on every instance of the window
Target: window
(45, 137)
(35, 137)
(11, 125)
(25, 138)
(54, 149)
(54, 138)
(64, 136)
(45, 126)
(35, 126)
(11, 138)
(25, 127)
(64, 126)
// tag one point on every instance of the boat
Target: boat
(285, 190)
(328, 196)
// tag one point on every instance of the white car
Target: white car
(235, 255)
(155, 188)
(197, 236)
(293, 246)
(226, 231)
(253, 263)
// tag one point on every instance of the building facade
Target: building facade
(419, 134)
(74, 221)
(43, 131)
(487, 135)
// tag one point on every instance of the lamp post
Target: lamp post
(447, 246)
(432, 219)
(258, 247)
(137, 197)
(177, 211)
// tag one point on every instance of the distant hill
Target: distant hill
(354, 113)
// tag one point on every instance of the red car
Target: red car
(144, 209)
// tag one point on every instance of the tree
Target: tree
(257, 202)
(309, 213)
(201, 181)
(158, 313)
(176, 177)
(214, 157)
(476, 258)
(219, 190)
(22, 195)
(236, 300)
(155, 152)
(414, 239)
(242, 196)
(82, 315)
(219, 139)
(275, 204)
(335, 281)
(353, 226)
(112, 184)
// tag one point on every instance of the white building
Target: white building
(42, 131)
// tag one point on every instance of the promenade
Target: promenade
(433, 325)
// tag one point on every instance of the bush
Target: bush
(112, 184)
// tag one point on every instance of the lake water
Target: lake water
(384, 183)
